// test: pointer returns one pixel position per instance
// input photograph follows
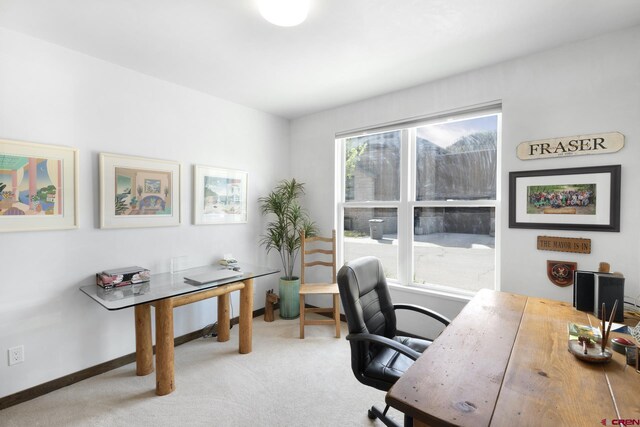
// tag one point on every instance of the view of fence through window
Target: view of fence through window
(373, 167)
(449, 217)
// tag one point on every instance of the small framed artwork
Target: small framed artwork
(585, 198)
(138, 192)
(38, 186)
(220, 195)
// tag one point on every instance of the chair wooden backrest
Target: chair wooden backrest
(317, 249)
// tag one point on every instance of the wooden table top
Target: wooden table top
(504, 361)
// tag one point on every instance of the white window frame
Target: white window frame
(400, 205)
(407, 201)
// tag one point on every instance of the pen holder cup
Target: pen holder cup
(632, 356)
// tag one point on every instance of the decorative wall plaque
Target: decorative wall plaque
(564, 244)
(561, 272)
(600, 143)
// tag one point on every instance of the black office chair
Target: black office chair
(378, 356)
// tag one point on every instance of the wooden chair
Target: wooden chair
(311, 246)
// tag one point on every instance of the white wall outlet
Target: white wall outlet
(16, 355)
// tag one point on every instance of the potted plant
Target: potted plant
(283, 235)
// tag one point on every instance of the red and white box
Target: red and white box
(122, 277)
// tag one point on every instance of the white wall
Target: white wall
(587, 87)
(52, 95)
(56, 96)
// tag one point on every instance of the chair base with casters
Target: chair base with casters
(320, 289)
(379, 357)
(374, 413)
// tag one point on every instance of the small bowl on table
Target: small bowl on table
(620, 344)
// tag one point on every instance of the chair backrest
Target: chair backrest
(321, 253)
(367, 306)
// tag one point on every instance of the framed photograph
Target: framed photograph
(138, 192)
(566, 199)
(219, 195)
(38, 186)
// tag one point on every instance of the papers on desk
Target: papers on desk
(576, 330)
(618, 327)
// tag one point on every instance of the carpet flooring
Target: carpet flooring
(284, 381)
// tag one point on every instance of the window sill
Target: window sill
(453, 296)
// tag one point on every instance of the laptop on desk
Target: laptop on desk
(211, 276)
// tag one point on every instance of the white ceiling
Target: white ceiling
(347, 50)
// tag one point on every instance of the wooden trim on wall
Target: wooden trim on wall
(49, 386)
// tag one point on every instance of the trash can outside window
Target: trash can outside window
(375, 228)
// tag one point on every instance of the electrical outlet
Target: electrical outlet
(16, 355)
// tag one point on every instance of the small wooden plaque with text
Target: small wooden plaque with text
(564, 244)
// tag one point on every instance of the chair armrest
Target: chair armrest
(387, 342)
(412, 307)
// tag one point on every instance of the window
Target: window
(422, 198)
(372, 192)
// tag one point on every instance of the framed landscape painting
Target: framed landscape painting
(220, 196)
(38, 186)
(566, 199)
(138, 192)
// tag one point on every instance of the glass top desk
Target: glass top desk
(166, 291)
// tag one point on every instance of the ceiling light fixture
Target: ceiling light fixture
(284, 13)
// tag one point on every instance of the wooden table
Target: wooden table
(167, 291)
(504, 361)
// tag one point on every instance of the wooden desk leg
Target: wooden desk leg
(144, 345)
(336, 313)
(246, 316)
(165, 383)
(223, 317)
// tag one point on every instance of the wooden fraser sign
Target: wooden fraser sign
(564, 244)
(600, 143)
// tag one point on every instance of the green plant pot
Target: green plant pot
(289, 298)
